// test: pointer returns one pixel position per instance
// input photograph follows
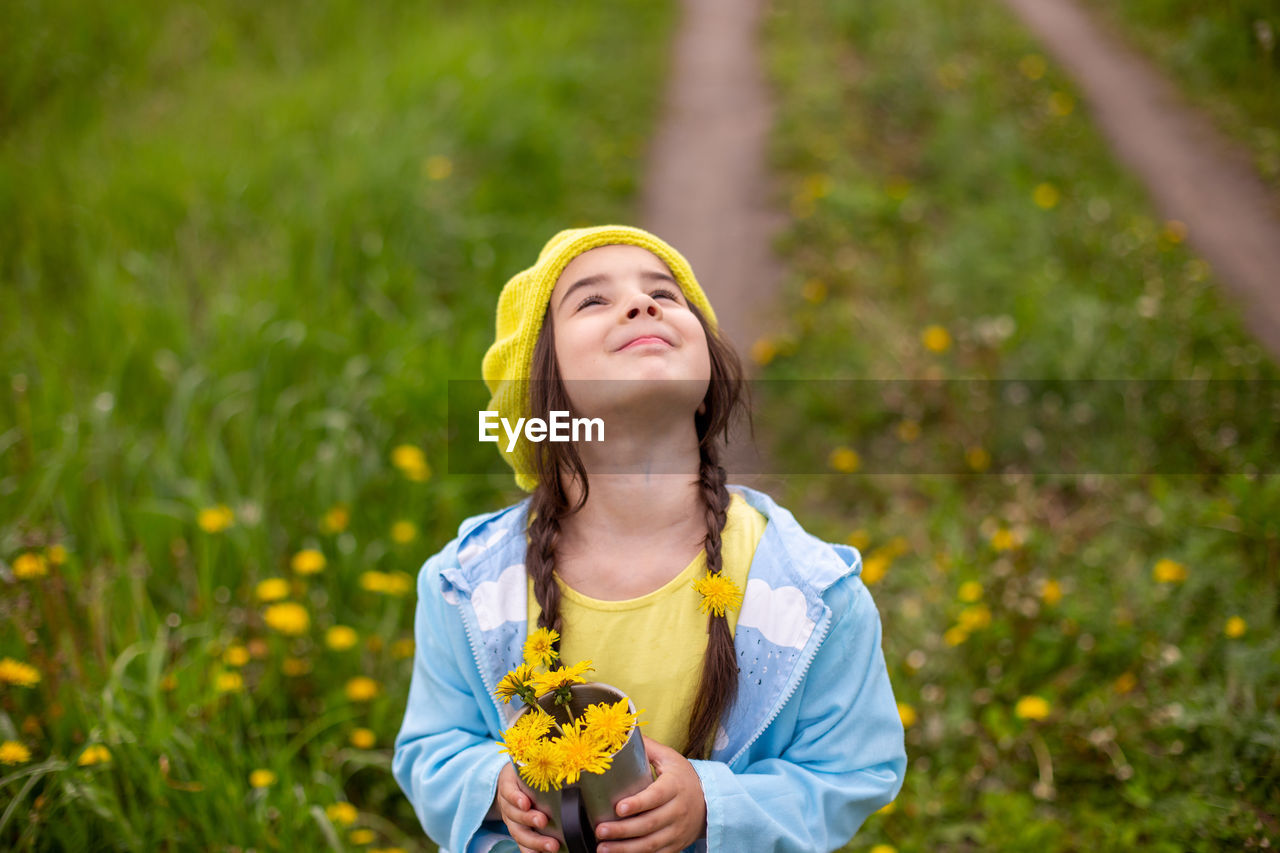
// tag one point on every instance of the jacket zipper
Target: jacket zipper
(475, 655)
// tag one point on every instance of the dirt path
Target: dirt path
(707, 189)
(1194, 173)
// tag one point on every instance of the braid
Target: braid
(540, 558)
(719, 682)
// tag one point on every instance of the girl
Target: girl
(752, 646)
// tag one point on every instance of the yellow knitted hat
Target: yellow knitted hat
(522, 305)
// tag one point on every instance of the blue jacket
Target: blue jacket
(812, 744)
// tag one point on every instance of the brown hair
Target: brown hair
(550, 504)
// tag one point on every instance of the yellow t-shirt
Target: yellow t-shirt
(651, 647)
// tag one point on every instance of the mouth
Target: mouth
(644, 340)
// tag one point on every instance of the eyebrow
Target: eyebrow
(652, 275)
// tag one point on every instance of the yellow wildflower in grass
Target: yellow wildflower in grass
(295, 667)
(610, 723)
(977, 458)
(1061, 104)
(936, 339)
(30, 565)
(955, 635)
(261, 778)
(236, 655)
(859, 539)
(844, 459)
(763, 351)
(907, 714)
(1032, 66)
(288, 618)
(580, 753)
(541, 767)
(719, 593)
(884, 848)
(341, 637)
(308, 561)
(1168, 571)
(215, 519)
(402, 648)
(388, 583)
(1051, 592)
(1125, 683)
(814, 291)
(1031, 708)
(970, 591)
(362, 836)
(1003, 539)
(363, 738)
(539, 649)
(341, 814)
(336, 519)
(437, 167)
(361, 689)
(18, 673)
(558, 678)
(874, 568)
(1046, 196)
(12, 752)
(974, 618)
(411, 462)
(94, 754)
(228, 682)
(908, 431)
(272, 589)
(519, 739)
(1235, 627)
(515, 682)
(404, 532)
(56, 555)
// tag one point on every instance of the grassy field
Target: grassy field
(245, 249)
(1084, 660)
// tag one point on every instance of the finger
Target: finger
(663, 840)
(534, 841)
(660, 791)
(527, 817)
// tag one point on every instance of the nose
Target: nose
(645, 302)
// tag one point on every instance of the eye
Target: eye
(590, 300)
(664, 292)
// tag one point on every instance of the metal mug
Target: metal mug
(574, 811)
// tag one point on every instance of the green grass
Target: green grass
(943, 175)
(1224, 56)
(245, 249)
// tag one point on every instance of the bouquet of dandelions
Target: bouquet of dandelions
(556, 740)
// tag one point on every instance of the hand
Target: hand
(669, 815)
(515, 804)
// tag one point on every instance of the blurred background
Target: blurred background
(245, 247)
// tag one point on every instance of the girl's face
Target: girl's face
(619, 314)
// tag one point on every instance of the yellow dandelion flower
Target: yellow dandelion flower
(884, 848)
(261, 778)
(1168, 571)
(955, 635)
(1061, 104)
(888, 808)
(404, 532)
(974, 618)
(1003, 539)
(341, 814)
(56, 555)
(1051, 592)
(94, 754)
(1046, 196)
(521, 736)
(515, 682)
(272, 589)
(539, 648)
(308, 561)
(388, 583)
(844, 459)
(1032, 66)
(288, 618)
(719, 593)
(362, 836)
(361, 689)
(1235, 627)
(558, 678)
(402, 648)
(763, 351)
(874, 568)
(814, 291)
(295, 667)
(215, 519)
(859, 539)
(12, 752)
(341, 637)
(236, 655)
(363, 738)
(1031, 708)
(336, 519)
(581, 753)
(908, 431)
(30, 565)
(228, 682)
(977, 458)
(437, 167)
(541, 767)
(908, 715)
(1125, 683)
(610, 723)
(411, 462)
(18, 673)
(936, 339)
(969, 591)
